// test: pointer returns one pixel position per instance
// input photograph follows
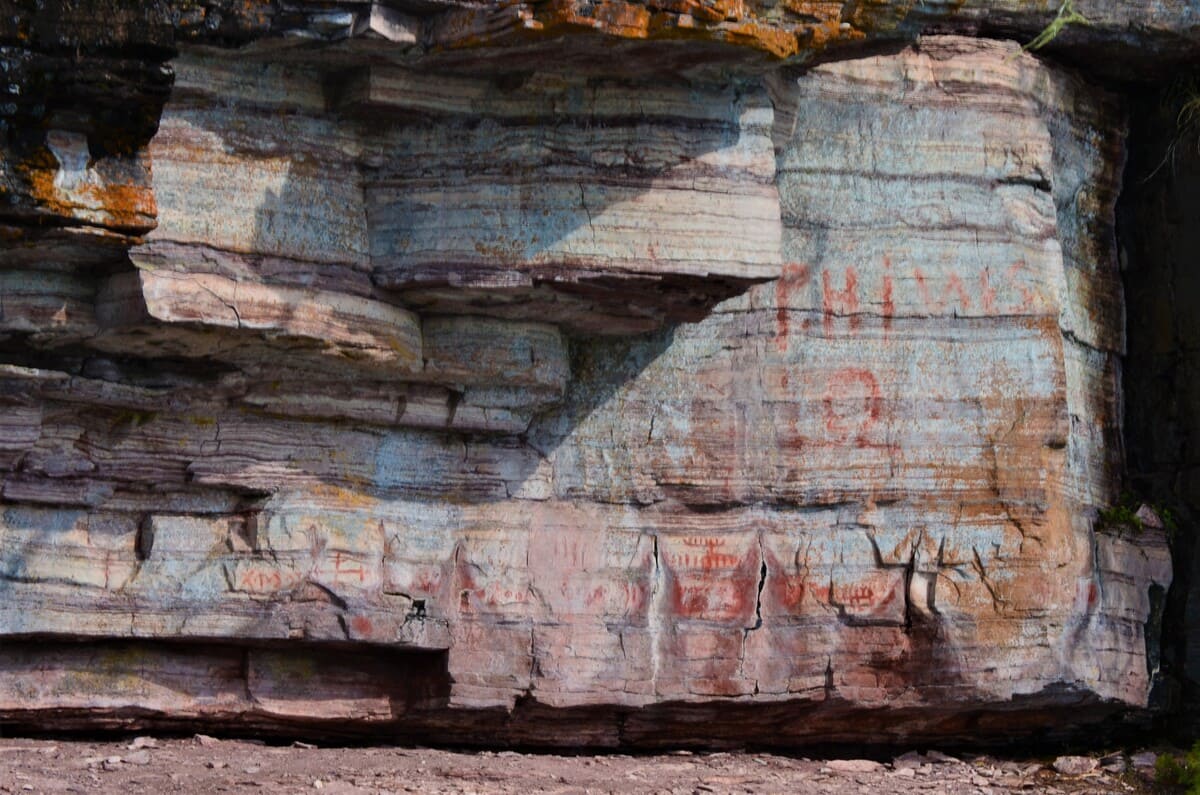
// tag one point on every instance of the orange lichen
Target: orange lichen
(713, 20)
(880, 15)
(128, 207)
(122, 207)
(815, 9)
(627, 20)
(342, 497)
(479, 27)
(708, 11)
(780, 43)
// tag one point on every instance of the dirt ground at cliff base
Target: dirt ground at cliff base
(207, 765)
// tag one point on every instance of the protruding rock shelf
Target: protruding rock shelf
(566, 373)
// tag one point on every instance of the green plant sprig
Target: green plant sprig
(1183, 93)
(1122, 517)
(1067, 15)
(1171, 772)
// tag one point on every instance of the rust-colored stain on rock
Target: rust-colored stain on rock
(436, 384)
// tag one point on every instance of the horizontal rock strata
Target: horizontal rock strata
(471, 198)
(353, 394)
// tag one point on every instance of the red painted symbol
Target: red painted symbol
(852, 404)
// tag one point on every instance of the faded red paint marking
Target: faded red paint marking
(1027, 295)
(923, 291)
(343, 569)
(713, 599)
(712, 583)
(627, 596)
(491, 593)
(740, 440)
(257, 580)
(427, 583)
(789, 590)
(794, 277)
(870, 595)
(708, 559)
(636, 594)
(856, 596)
(361, 625)
(932, 296)
(889, 297)
(852, 404)
(840, 302)
(987, 295)
(1088, 595)
(572, 552)
(954, 286)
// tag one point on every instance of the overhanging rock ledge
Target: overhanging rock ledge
(566, 373)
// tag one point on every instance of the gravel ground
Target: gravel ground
(206, 765)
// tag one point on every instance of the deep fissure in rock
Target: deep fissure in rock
(1160, 234)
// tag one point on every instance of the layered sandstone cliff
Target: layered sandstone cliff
(566, 373)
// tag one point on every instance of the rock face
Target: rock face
(401, 375)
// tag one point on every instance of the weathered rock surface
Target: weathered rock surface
(348, 386)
